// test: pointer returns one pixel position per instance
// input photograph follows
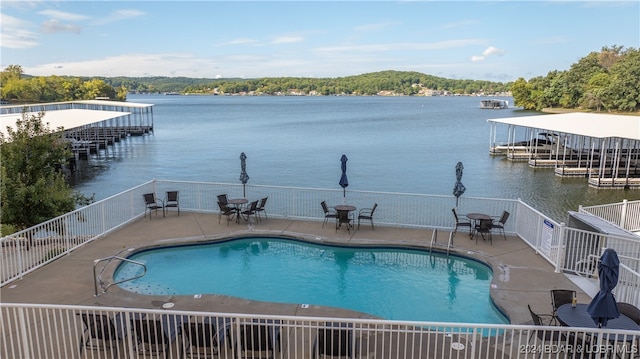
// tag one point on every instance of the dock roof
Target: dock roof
(66, 119)
(580, 123)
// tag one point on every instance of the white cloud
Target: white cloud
(14, 34)
(53, 26)
(166, 64)
(490, 51)
(60, 15)
(119, 15)
(287, 39)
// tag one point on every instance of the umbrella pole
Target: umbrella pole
(244, 191)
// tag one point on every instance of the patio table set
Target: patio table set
(481, 224)
(241, 208)
(603, 312)
(344, 214)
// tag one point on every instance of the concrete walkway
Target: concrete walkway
(520, 276)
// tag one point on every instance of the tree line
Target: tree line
(608, 80)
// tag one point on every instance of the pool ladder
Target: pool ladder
(99, 284)
(434, 240)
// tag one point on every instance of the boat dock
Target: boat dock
(88, 126)
(603, 148)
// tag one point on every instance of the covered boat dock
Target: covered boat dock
(604, 148)
(88, 126)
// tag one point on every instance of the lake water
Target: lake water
(394, 144)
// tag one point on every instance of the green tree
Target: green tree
(33, 188)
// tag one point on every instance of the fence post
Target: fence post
(623, 215)
(560, 248)
(24, 333)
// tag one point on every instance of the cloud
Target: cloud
(14, 34)
(374, 27)
(60, 15)
(407, 46)
(490, 51)
(164, 64)
(53, 26)
(119, 15)
(287, 39)
(241, 41)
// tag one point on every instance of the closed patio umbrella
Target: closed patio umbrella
(344, 182)
(603, 306)
(458, 188)
(244, 177)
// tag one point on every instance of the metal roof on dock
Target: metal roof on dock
(579, 123)
(67, 119)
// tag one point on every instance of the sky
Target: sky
(480, 40)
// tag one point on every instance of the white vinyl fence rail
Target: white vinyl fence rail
(56, 331)
(568, 249)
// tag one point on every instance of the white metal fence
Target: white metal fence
(56, 331)
(568, 249)
(625, 214)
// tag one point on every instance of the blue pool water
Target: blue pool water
(398, 284)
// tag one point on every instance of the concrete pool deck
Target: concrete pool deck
(520, 276)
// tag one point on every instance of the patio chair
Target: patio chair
(328, 213)
(460, 223)
(222, 198)
(630, 311)
(150, 336)
(99, 333)
(560, 297)
(545, 335)
(251, 210)
(344, 217)
(501, 223)
(484, 227)
(226, 211)
(335, 340)
(200, 339)
(261, 207)
(152, 203)
(255, 338)
(171, 201)
(367, 214)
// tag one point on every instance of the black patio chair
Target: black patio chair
(251, 210)
(261, 208)
(544, 335)
(328, 213)
(99, 333)
(200, 339)
(150, 336)
(501, 223)
(560, 297)
(460, 223)
(335, 340)
(367, 215)
(226, 211)
(222, 198)
(152, 203)
(171, 201)
(484, 228)
(256, 338)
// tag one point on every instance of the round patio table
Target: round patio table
(237, 203)
(579, 317)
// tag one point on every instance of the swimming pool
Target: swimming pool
(391, 283)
